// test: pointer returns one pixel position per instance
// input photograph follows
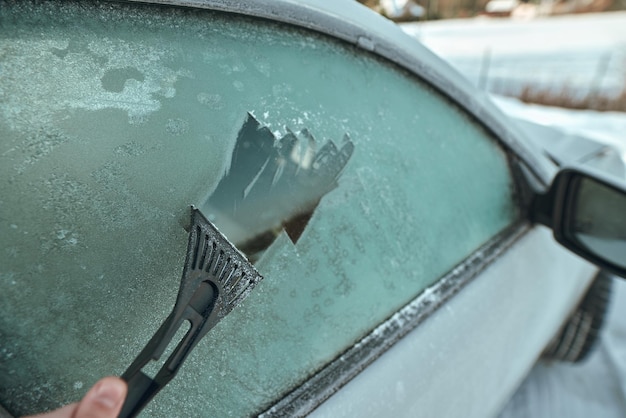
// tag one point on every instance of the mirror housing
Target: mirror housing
(587, 213)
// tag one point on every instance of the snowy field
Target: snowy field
(584, 52)
(606, 127)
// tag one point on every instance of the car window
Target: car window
(352, 185)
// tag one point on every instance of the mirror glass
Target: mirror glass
(598, 220)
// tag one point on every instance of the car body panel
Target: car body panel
(566, 149)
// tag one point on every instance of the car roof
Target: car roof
(356, 24)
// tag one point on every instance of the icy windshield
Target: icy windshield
(366, 185)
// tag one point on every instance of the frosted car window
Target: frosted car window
(115, 118)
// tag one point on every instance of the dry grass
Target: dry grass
(567, 98)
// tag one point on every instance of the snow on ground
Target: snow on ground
(596, 388)
(587, 53)
(584, 52)
(606, 127)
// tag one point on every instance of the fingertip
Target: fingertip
(110, 392)
(104, 399)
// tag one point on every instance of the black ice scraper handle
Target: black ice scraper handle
(216, 277)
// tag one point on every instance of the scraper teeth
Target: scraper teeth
(213, 250)
(228, 275)
(220, 262)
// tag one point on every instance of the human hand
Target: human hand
(104, 400)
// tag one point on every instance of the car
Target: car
(501, 7)
(360, 232)
(401, 10)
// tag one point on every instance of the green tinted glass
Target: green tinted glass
(115, 118)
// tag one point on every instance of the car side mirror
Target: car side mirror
(587, 212)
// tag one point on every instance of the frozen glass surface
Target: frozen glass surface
(115, 118)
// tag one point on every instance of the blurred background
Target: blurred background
(569, 53)
(410, 10)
